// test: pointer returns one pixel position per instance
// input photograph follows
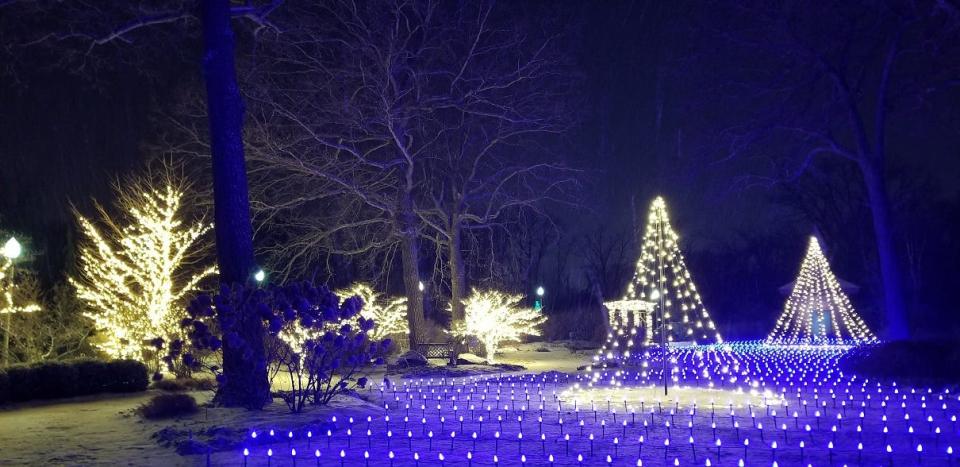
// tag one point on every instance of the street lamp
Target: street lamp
(259, 276)
(12, 249)
(538, 305)
(420, 286)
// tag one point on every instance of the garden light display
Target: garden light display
(136, 273)
(661, 295)
(388, 313)
(493, 317)
(735, 404)
(818, 311)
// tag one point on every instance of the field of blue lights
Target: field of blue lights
(729, 404)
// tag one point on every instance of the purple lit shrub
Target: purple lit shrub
(318, 343)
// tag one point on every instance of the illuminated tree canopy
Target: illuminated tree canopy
(493, 317)
(818, 311)
(137, 269)
(389, 314)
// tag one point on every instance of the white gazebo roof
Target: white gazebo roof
(630, 305)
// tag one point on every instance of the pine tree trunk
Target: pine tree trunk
(245, 377)
(897, 327)
(410, 257)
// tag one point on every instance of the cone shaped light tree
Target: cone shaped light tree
(818, 311)
(661, 293)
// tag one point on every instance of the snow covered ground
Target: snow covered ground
(760, 403)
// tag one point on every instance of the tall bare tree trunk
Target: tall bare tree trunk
(894, 309)
(410, 257)
(244, 367)
(458, 275)
(458, 279)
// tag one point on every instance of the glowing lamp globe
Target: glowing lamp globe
(12, 249)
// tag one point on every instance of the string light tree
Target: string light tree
(137, 269)
(8, 287)
(818, 312)
(662, 300)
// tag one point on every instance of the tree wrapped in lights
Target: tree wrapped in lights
(493, 317)
(818, 311)
(389, 314)
(661, 295)
(11, 302)
(136, 269)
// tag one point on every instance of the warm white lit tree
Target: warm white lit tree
(137, 269)
(10, 305)
(818, 311)
(493, 317)
(389, 315)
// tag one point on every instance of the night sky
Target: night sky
(661, 86)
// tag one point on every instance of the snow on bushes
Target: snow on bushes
(319, 342)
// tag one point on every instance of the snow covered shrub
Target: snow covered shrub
(168, 406)
(320, 343)
(493, 317)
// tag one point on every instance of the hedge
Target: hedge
(54, 380)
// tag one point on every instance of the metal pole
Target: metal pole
(8, 308)
(663, 315)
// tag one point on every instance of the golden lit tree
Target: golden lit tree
(818, 311)
(136, 269)
(493, 317)
(11, 302)
(389, 315)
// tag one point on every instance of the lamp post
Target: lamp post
(259, 276)
(11, 251)
(540, 293)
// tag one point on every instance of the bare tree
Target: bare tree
(608, 263)
(373, 121)
(826, 83)
(76, 33)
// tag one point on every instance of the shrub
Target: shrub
(168, 405)
(52, 380)
(184, 384)
(4, 386)
(321, 342)
(127, 376)
(913, 361)
(91, 376)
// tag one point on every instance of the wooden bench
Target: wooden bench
(442, 350)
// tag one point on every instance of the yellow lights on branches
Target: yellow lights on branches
(493, 317)
(8, 288)
(818, 311)
(136, 270)
(389, 315)
(661, 278)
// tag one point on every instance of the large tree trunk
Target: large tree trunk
(897, 327)
(410, 256)
(458, 275)
(458, 279)
(244, 367)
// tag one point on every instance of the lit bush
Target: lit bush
(493, 317)
(321, 343)
(388, 314)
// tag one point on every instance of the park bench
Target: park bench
(442, 350)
